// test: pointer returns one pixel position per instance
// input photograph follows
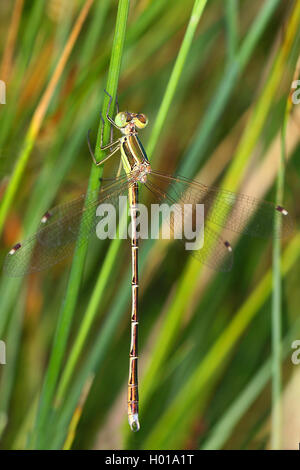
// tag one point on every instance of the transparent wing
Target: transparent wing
(61, 228)
(76, 205)
(237, 212)
(216, 253)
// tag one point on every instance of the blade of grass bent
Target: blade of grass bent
(276, 313)
(69, 305)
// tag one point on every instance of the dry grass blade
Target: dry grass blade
(6, 65)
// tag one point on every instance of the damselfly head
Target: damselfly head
(125, 118)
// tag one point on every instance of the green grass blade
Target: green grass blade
(68, 308)
(276, 316)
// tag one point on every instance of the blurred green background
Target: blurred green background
(215, 367)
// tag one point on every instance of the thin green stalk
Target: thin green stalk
(135, 30)
(68, 308)
(175, 75)
(151, 44)
(276, 313)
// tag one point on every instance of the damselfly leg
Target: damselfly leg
(111, 142)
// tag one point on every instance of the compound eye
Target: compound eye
(141, 121)
(121, 119)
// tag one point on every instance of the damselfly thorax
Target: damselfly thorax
(134, 158)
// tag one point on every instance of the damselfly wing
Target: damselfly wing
(60, 227)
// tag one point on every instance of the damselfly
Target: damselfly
(76, 221)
